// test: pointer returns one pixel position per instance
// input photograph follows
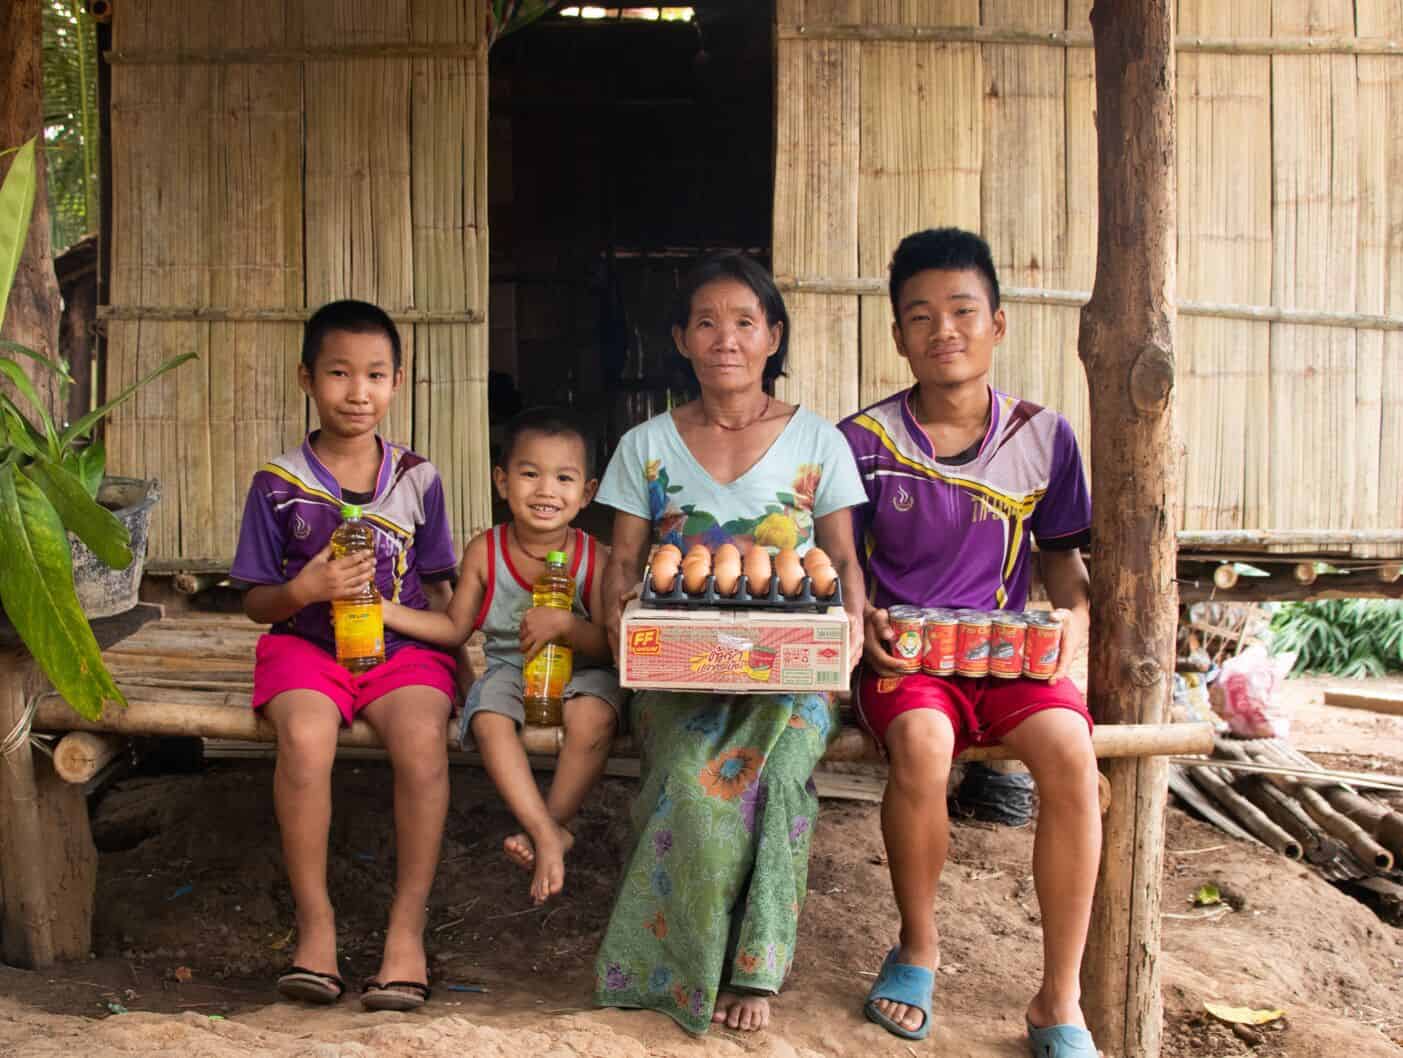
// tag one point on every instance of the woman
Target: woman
(705, 921)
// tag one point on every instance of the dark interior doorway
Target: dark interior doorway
(620, 150)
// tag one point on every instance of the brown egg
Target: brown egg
(664, 567)
(726, 566)
(669, 549)
(789, 572)
(814, 558)
(699, 551)
(757, 571)
(825, 580)
(694, 573)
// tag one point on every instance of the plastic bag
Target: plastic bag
(1245, 694)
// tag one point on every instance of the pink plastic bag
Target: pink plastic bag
(1245, 694)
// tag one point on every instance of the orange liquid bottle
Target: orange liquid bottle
(358, 621)
(546, 675)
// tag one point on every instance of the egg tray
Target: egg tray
(709, 598)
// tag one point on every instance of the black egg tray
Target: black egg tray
(710, 598)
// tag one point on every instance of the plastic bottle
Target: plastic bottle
(546, 675)
(358, 621)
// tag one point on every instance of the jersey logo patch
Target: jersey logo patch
(902, 501)
(300, 529)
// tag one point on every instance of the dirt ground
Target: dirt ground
(193, 923)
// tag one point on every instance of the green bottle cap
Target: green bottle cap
(350, 512)
(556, 558)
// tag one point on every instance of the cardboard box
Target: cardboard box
(733, 651)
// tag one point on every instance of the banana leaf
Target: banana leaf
(16, 204)
(36, 588)
(95, 525)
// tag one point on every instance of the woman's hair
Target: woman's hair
(742, 269)
(357, 317)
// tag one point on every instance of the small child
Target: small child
(545, 477)
(351, 368)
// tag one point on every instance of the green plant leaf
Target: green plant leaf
(87, 464)
(88, 421)
(36, 587)
(95, 525)
(16, 205)
(58, 367)
(19, 433)
(21, 381)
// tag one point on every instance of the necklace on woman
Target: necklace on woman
(736, 429)
(564, 543)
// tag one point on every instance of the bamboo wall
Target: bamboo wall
(269, 156)
(896, 115)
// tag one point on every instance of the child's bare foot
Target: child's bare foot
(403, 958)
(745, 1012)
(316, 944)
(545, 853)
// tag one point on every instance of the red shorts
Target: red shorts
(284, 663)
(982, 710)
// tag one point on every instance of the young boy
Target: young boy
(351, 370)
(546, 478)
(957, 475)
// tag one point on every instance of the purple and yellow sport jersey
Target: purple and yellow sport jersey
(294, 505)
(956, 533)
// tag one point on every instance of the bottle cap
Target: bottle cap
(556, 558)
(350, 512)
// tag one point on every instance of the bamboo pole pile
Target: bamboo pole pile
(1287, 802)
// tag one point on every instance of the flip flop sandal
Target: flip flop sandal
(309, 986)
(1061, 1041)
(900, 982)
(394, 995)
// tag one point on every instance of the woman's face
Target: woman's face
(728, 339)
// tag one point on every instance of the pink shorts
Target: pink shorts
(982, 710)
(284, 663)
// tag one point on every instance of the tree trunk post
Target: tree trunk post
(1126, 346)
(32, 316)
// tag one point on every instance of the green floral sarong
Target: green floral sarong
(711, 892)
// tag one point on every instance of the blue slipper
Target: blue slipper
(899, 982)
(1061, 1041)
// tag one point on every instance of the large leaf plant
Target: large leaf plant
(49, 477)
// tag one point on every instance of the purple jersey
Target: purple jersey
(294, 505)
(941, 533)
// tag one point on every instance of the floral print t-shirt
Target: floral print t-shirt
(807, 472)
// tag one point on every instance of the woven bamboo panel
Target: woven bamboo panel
(815, 220)
(1225, 246)
(1379, 356)
(280, 186)
(1315, 161)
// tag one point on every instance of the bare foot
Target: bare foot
(748, 1013)
(316, 945)
(908, 1017)
(404, 958)
(1047, 1010)
(546, 853)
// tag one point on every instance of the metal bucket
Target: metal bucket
(103, 591)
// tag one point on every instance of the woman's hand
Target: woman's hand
(877, 634)
(325, 578)
(1076, 630)
(543, 625)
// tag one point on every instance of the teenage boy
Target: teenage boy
(959, 476)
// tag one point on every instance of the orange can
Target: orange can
(906, 623)
(1042, 646)
(972, 643)
(939, 632)
(1006, 646)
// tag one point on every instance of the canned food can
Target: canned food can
(939, 632)
(1042, 646)
(1006, 646)
(906, 623)
(972, 643)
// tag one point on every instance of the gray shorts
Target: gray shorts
(500, 691)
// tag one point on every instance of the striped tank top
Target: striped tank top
(508, 595)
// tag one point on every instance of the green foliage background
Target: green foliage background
(1341, 637)
(70, 121)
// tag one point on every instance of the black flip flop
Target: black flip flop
(394, 995)
(309, 986)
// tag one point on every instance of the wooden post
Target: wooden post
(1126, 347)
(32, 316)
(26, 930)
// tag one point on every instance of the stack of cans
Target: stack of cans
(1004, 643)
